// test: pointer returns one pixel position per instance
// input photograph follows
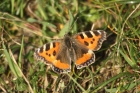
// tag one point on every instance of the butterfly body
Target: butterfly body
(79, 49)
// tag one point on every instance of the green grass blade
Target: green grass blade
(96, 88)
(20, 54)
(67, 27)
(130, 62)
(84, 91)
(12, 65)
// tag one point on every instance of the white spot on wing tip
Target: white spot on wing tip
(92, 33)
(38, 50)
(44, 47)
(90, 51)
(51, 45)
(85, 36)
(99, 31)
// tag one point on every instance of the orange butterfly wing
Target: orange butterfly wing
(50, 54)
(92, 39)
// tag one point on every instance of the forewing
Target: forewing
(91, 39)
(52, 53)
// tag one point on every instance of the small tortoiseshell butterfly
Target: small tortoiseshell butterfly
(78, 49)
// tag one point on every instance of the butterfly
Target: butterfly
(78, 48)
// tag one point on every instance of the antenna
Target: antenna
(71, 22)
(68, 26)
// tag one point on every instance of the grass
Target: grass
(27, 25)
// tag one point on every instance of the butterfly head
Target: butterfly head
(68, 41)
(68, 34)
